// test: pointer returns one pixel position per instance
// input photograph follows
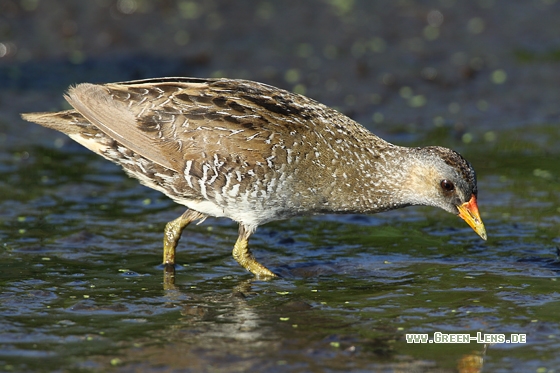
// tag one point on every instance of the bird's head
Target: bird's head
(442, 178)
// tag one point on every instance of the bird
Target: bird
(255, 153)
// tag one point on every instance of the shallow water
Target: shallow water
(82, 288)
(81, 285)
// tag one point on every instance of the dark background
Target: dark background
(354, 55)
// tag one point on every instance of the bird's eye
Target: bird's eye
(447, 185)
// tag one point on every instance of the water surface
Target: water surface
(82, 289)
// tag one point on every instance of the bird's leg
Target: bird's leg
(172, 234)
(243, 255)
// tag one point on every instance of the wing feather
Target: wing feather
(117, 120)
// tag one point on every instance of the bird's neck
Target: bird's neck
(369, 181)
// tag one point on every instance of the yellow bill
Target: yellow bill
(468, 211)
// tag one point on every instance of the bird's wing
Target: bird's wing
(172, 120)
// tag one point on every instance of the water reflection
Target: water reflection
(234, 331)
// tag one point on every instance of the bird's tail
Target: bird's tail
(68, 121)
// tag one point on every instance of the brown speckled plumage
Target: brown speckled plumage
(255, 153)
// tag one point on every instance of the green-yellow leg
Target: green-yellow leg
(243, 255)
(171, 237)
(172, 234)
